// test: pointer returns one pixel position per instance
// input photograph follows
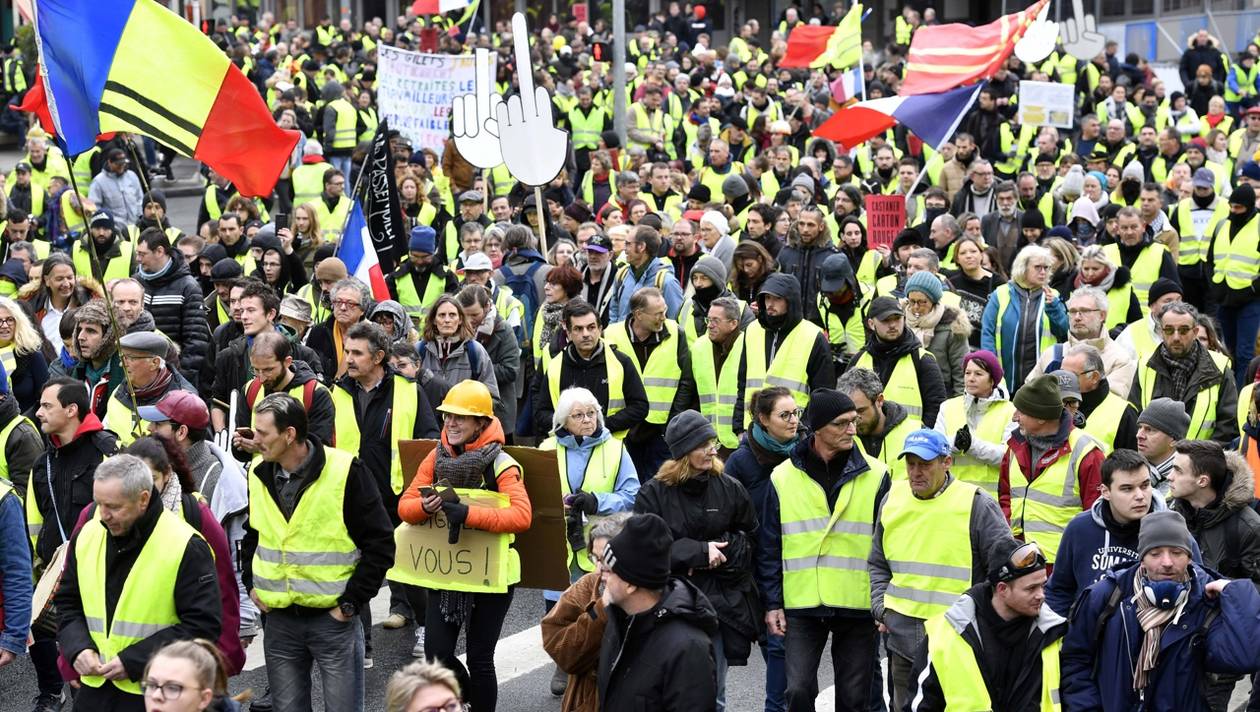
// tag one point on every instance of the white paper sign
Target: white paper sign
(1046, 104)
(415, 92)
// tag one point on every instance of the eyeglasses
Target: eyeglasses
(1180, 330)
(709, 321)
(585, 415)
(164, 691)
(1024, 560)
(1040, 268)
(7, 321)
(845, 423)
(790, 415)
(453, 706)
(918, 302)
(346, 304)
(1082, 312)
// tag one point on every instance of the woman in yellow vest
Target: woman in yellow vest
(712, 519)
(978, 421)
(22, 354)
(1097, 270)
(469, 458)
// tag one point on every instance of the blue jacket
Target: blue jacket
(619, 306)
(626, 486)
(1009, 328)
(1186, 652)
(1088, 549)
(16, 587)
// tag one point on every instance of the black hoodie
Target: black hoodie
(820, 371)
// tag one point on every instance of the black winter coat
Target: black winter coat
(175, 301)
(709, 508)
(71, 466)
(661, 659)
(1228, 530)
(233, 370)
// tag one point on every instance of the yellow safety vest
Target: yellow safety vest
(211, 199)
(616, 381)
(600, 476)
(332, 222)
(990, 429)
(73, 219)
(82, 166)
(1046, 336)
(116, 268)
(1237, 257)
(927, 545)
(411, 301)
(586, 128)
(1105, 421)
(146, 605)
(657, 122)
(789, 364)
(344, 135)
(1203, 416)
(308, 558)
(1042, 508)
(8, 358)
(119, 419)
(959, 676)
(663, 369)
(308, 182)
(405, 407)
(893, 442)
(825, 549)
(370, 122)
(1145, 269)
(1197, 227)
(717, 391)
(903, 384)
(1245, 397)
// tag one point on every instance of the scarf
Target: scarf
(769, 444)
(172, 494)
(1152, 619)
(337, 335)
(1180, 370)
(154, 390)
(467, 470)
(149, 276)
(487, 322)
(551, 312)
(923, 326)
(1104, 282)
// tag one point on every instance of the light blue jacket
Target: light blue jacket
(626, 486)
(619, 307)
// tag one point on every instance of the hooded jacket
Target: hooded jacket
(1228, 529)
(804, 262)
(1206, 376)
(175, 300)
(884, 358)
(71, 466)
(1097, 666)
(661, 659)
(820, 371)
(711, 507)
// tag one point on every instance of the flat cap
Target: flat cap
(147, 342)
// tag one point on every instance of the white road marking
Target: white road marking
(255, 659)
(518, 654)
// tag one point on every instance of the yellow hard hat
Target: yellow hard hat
(468, 398)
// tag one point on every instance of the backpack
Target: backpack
(474, 356)
(522, 286)
(658, 280)
(254, 387)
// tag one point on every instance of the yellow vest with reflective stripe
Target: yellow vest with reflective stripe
(788, 367)
(82, 167)
(849, 336)
(616, 381)
(1105, 421)
(411, 301)
(344, 135)
(211, 199)
(958, 673)
(146, 605)
(122, 420)
(825, 549)
(586, 128)
(893, 442)
(717, 391)
(116, 268)
(600, 477)
(1203, 416)
(1245, 398)
(4, 441)
(74, 221)
(991, 428)
(308, 182)
(656, 122)
(1145, 269)
(1118, 301)
(402, 425)
(927, 545)
(307, 559)
(903, 383)
(661, 373)
(1041, 509)
(1003, 294)
(332, 222)
(1237, 257)
(1197, 234)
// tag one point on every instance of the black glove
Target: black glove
(585, 502)
(456, 513)
(573, 529)
(962, 439)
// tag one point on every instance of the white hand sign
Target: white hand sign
(1081, 37)
(474, 122)
(533, 148)
(1039, 40)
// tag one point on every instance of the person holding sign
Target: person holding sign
(469, 461)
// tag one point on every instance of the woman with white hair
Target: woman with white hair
(597, 478)
(21, 352)
(1024, 316)
(715, 234)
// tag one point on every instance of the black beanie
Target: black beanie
(1034, 219)
(1243, 195)
(825, 405)
(639, 554)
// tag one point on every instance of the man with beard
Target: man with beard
(114, 256)
(977, 194)
(1146, 260)
(420, 275)
(155, 216)
(1000, 227)
(684, 251)
(1147, 146)
(809, 245)
(757, 228)
(954, 173)
(271, 359)
(1117, 149)
(99, 366)
(883, 178)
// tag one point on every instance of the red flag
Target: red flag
(942, 57)
(36, 103)
(805, 44)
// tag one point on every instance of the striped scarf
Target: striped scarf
(1152, 619)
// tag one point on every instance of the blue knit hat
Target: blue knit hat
(423, 239)
(927, 283)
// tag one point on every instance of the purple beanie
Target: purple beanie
(988, 361)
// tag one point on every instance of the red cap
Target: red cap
(180, 407)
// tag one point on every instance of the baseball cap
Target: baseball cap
(599, 242)
(22, 167)
(180, 407)
(478, 262)
(1203, 178)
(1069, 384)
(883, 307)
(926, 444)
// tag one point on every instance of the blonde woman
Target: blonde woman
(21, 353)
(423, 686)
(304, 225)
(1025, 306)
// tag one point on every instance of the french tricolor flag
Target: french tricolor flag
(849, 86)
(929, 116)
(359, 255)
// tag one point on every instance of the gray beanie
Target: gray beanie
(1163, 528)
(713, 268)
(686, 432)
(734, 186)
(1167, 416)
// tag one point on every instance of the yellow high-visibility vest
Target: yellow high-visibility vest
(663, 369)
(927, 543)
(405, 407)
(1105, 421)
(959, 676)
(903, 383)
(1203, 415)
(991, 429)
(717, 391)
(1041, 509)
(600, 477)
(787, 369)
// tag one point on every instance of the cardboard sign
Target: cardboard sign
(541, 547)
(885, 217)
(477, 563)
(1046, 104)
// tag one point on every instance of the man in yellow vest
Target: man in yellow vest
(1052, 469)
(114, 256)
(1109, 416)
(932, 543)
(15, 561)
(332, 208)
(339, 126)
(419, 281)
(714, 362)
(1136, 251)
(817, 529)
(909, 372)
(144, 355)
(25, 195)
(308, 178)
(315, 552)
(137, 577)
(883, 425)
(1236, 275)
(956, 670)
(1195, 219)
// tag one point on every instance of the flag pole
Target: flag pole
(948, 135)
(542, 220)
(354, 195)
(861, 61)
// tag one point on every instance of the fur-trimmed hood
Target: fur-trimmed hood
(1237, 495)
(958, 323)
